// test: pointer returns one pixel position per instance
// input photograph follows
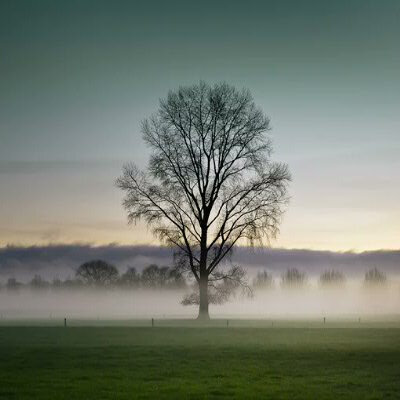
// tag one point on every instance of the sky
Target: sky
(78, 77)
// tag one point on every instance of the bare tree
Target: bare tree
(154, 276)
(38, 282)
(13, 284)
(210, 183)
(97, 273)
(293, 279)
(374, 277)
(130, 278)
(332, 278)
(263, 280)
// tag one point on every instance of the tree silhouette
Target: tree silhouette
(293, 279)
(332, 278)
(210, 183)
(38, 282)
(263, 280)
(130, 278)
(13, 284)
(97, 273)
(374, 277)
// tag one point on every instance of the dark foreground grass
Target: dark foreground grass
(197, 363)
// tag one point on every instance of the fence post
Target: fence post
(65, 322)
(152, 322)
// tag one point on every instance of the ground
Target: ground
(296, 360)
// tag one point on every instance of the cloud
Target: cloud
(61, 260)
(50, 166)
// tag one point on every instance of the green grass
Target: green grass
(301, 361)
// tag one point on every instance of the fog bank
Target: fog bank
(61, 261)
(352, 300)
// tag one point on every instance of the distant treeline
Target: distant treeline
(293, 278)
(100, 274)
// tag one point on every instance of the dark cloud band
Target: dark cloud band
(62, 260)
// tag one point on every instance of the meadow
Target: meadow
(179, 359)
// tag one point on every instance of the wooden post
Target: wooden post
(324, 320)
(227, 323)
(65, 322)
(152, 322)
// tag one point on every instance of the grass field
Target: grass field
(298, 360)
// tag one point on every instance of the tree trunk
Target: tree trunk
(203, 306)
(203, 282)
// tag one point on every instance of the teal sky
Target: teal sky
(77, 77)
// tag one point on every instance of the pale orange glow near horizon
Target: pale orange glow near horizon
(87, 209)
(352, 237)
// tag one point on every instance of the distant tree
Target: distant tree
(211, 182)
(13, 284)
(97, 273)
(332, 278)
(153, 277)
(293, 278)
(374, 277)
(39, 283)
(72, 283)
(130, 278)
(57, 283)
(176, 280)
(263, 280)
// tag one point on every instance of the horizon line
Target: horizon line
(149, 245)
